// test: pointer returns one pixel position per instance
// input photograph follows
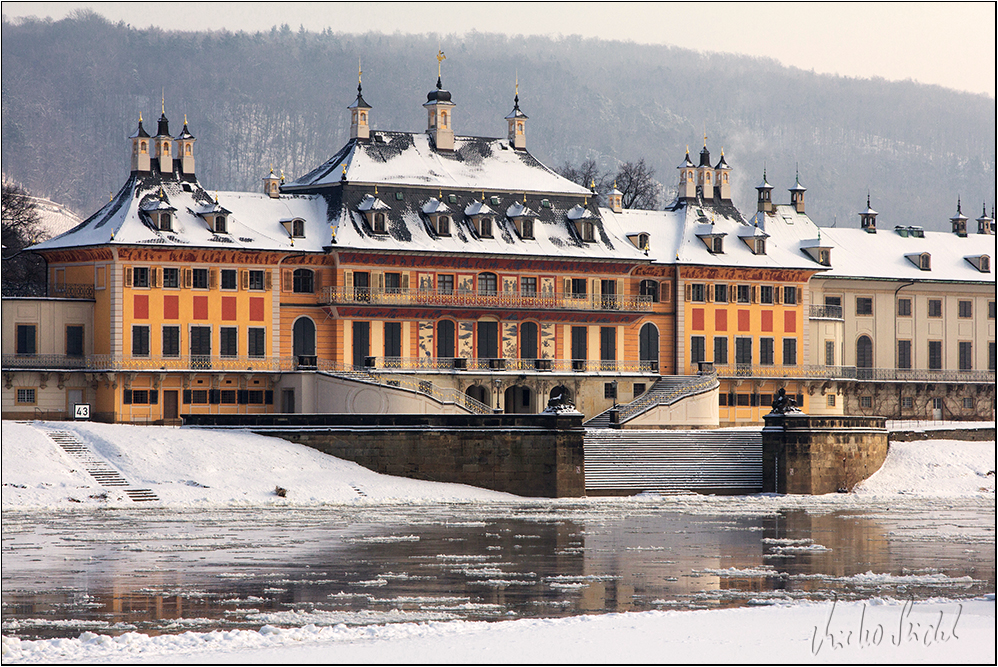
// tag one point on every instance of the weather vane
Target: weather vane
(440, 58)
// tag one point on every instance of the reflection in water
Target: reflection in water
(115, 572)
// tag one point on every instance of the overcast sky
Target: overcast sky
(946, 43)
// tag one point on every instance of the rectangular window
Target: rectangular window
(697, 344)
(721, 293)
(992, 355)
(229, 279)
(789, 351)
(833, 301)
(744, 294)
(579, 288)
(445, 284)
(639, 388)
(256, 280)
(393, 339)
(608, 343)
(864, 305)
(968, 402)
(829, 353)
(904, 307)
(303, 281)
(907, 402)
(255, 396)
(200, 341)
(790, 296)
(26, 336)
(991, 310)
(361, 342)
(171, 341)
(743, 351)
(935, 355)
(140, 341)
(528, 286)
(140, 276)
(766, 351)
(228, 346)
(965, 309)
(74, 340)
(904, 354)
(722, 400)
(171, 277)
(227, 396)
(935, 308)
(255, 343)
(25, 395)
(766, 294)
(199, 396)
(744, 400)
(966, 355)
(831, 400)
(698, 293)
(393, 283)
(610, 390)
(199, 279)
(580, 343)
(720, 350)
(867, 401)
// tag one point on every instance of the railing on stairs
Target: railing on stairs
(654, 397)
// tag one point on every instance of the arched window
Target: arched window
(479, 393)
(649, 288)
(379, 223)
(443, 119)
(363, 117)
(485, 228)
(518, 400)
(143, 146)
(220, 223)
(527, 228)
(166, 149)
(648, 342)
(443, 225)
(864, 352)
(561, 392)
(303, 281)
(488, 284)
(587, 231)
(303, 337)
(188, 148)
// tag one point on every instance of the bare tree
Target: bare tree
(636, 181)
(586, 174)
(21, 228)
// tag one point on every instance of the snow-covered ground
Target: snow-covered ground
(204, 469)
(196, 468)
(875, 631)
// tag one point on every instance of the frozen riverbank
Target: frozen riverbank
(875, 631)
(194, 468)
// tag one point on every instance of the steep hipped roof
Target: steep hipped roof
(254, 222)
(406, 158)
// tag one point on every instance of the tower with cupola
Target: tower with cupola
(360, 112)
(140, 149)
(517, 125)
(163, 144)
(185, 149)
(439, 113)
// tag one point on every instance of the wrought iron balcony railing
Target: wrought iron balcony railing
(483, 299)
(508, 364)
(820, 312)
(849, 373)
(54, 290)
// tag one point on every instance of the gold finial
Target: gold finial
(359, 71)
(344, 168)
(140, 116)
(163, 101)
(216, 196)
(722, 151)
(272, 169)
(518, 83)
(282, 175)
(375, 189)
(483, 196)
(440, 58)
(185, 119)
(592, 184)
(524, 198)
(110, 196)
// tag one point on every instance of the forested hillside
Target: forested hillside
(73, 91)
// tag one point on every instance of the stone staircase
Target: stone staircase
(96, 467)
(667, 390)
(621, 462)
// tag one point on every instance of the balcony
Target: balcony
(817, 312)
(105, 363)
(353, 296)
(807, 372)
(489, 365)
(56, 291)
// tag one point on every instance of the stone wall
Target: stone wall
(527, 455)
(816, 455)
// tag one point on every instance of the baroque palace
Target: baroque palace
(433, 272)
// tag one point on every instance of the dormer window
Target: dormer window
(294, 227)
(220, 224)
(824, 257)
(587, 230)
(527, 228)
(443, 225)
(717, 245)
(980, 262)
(922, 260)
(759, 246)
(379, 223)
(485, 228)
(545, 203)
(452, 199)
(165, 222)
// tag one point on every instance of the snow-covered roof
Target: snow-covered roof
(406, 158)
(254, 219)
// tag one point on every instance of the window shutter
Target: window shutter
(243, 279)
(154, 277)
(596, 286)
(568, 287)
(755, 293)
(663, 291)
(620, 287)
(188, 277)
(126, 396)
(213, 396)
(710, 293)
(268, 280)
(287, 280)
(689, 292)
(778, 294)
(798, 295)
(212, 278)
(405, 281)
(153, 397)
(268, 397)
(187, 396)
(317, 281)
(379, 281)
(242, 396)
(128, 277)
(732, 293)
